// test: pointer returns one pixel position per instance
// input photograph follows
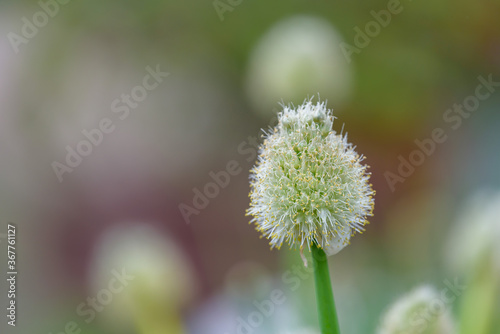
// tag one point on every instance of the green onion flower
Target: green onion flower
(309, 185)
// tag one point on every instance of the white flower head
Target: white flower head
(309, 185)
(422, 311)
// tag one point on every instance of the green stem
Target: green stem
(324, 295)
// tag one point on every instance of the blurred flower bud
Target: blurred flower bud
(473, 251)
(298, 57)
(476, 234)
(420, 312)
(304, 331)
(160, 281)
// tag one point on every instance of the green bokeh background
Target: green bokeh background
(63, 81)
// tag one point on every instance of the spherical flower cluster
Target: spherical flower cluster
(309, 185)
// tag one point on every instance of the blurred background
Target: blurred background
(111, 167)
